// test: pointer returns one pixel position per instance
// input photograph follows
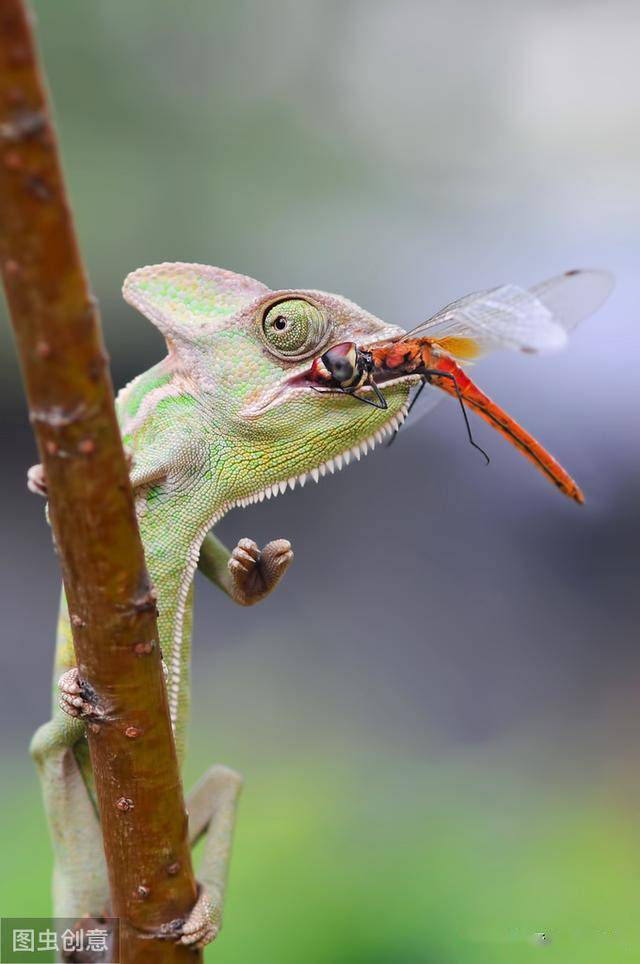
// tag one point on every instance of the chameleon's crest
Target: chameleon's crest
(180, 298)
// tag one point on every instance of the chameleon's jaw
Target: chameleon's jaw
(333, 464)
(383, 428)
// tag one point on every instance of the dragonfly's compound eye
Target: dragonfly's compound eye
(295, 328)
(341, 363)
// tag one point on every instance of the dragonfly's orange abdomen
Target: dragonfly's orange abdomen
(487, 409)
(423, 355)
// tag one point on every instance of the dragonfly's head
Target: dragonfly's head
(348, 369)
(340, 363)
(342, 366)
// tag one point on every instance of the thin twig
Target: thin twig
(110, 598)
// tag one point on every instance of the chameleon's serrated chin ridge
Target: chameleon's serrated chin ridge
(336, 463)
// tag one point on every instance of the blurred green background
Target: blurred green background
(437, 714)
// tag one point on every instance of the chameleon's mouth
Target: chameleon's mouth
(302, 383)
(308, 379)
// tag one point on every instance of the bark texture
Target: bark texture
(110, 599)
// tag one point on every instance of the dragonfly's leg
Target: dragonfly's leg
(428, 372)
(211, 807)
(381, 400)
(423, 382)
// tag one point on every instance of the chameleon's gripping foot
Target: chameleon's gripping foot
(72, 697)
(37, 480)
(203, 923)
(255, 573)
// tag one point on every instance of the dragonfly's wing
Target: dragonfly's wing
(513, 318)
(506, 317)
(575, 295)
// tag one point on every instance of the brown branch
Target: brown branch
(108, 590)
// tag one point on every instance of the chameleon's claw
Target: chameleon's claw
(71, 699)
(256, 573)
(203, 923)
(37, 480)
(277, 556)
(245, 555)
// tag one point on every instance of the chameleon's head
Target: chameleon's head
(246, 350)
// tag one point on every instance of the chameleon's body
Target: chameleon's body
(214, 425)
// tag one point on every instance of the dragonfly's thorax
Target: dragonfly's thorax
(403, 357)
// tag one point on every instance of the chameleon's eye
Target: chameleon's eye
(294, 328)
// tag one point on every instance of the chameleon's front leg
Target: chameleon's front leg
(247, 574)
(211, 806)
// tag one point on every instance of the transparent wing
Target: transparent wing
(575, 295)
(513, 318)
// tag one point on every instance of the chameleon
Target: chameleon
(226, 419)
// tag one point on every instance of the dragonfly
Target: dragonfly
(508, 317)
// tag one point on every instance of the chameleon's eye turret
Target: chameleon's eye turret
(294, 329)
(341, 361)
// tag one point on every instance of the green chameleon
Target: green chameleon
(220, 422)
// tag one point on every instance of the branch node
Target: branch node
(86, 446)
(143, 649)
(145, 602)
(58, 417)
(38, 187)
(12, 161)
(24, 124)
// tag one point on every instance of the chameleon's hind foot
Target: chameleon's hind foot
(73, 695)
(256, 573)
(203, 923)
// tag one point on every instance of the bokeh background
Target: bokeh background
(437, 713)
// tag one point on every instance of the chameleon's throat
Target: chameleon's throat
(331, 465)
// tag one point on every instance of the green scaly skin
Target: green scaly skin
(212, 426)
